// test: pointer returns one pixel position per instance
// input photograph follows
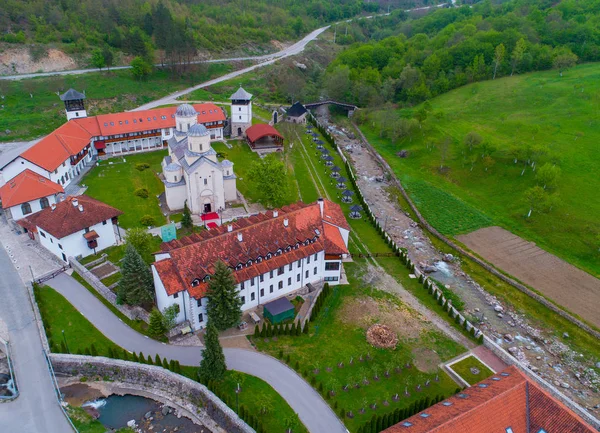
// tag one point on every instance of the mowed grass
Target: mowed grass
(334, 338)
(115, 184)
(463, 369)
(538, 110)
(112, 92)
(59, 315)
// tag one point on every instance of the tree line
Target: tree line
(430, 55)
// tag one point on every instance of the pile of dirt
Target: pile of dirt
(19, 61)
(382, 336)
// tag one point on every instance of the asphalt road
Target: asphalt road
(316, 415)
(36, 409)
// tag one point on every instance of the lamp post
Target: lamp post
(65, 340)
(237, 398)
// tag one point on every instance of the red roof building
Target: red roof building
(263, 136)
(507, 402)
(271, 254)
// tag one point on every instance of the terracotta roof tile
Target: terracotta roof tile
(27, 186)
(260, 130)
(493, 408)
(67, 219)
(333, 214)
(194, 256)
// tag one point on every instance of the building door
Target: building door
(239, 132)
(207, 208)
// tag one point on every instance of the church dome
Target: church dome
(226, 163)
(185, 110)
(173, 167)
(197, 130)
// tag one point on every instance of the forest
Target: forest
(137, 27)
(408, 60)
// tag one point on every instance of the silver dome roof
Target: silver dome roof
(185, 110)
(197, 130)
(173, 167)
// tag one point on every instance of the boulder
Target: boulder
(131, 423)
(448, 257)
(565, 385)
(498, 308)
(508, 337)
(165, 410)
(513, 350)
(148, 415)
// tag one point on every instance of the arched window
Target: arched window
(26, 208)
(249, 262)
(239, 266)
(288, 249)
(44, 202)
(206, 278)
(269, 255)
(195, 282)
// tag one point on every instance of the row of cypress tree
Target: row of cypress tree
(267, 330)
(325, 293)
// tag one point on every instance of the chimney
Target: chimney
(53, 206)
(240, 237)
(229, 228)
(80, 208)
(275, 213)
(320, 201)
(285, 222)
(75, 202)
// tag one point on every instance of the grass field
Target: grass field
(463, 369)
(338, 336)
(116, 183)
(59, 315)
(536, 113)
(112, 92)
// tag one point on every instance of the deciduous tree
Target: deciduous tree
(517, 55)
(140, 69)
(98, 60)
(499, 54)
(271, 176)
(169, 315)
(564, 59)
(141, 240)
(548, 176)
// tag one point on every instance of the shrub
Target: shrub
(141, 192)
(287, 358)
(149, 361)
(147, 220)
(135, 357)
(141, 166)
(280, 356)
(93, 350)
(157, 360)
(256, 331)
(111, 352)
(297, 366)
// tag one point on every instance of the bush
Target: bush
(142, 166)
(141, 192)
(147, 220)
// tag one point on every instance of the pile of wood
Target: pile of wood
(382, 336)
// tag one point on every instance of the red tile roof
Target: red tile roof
(67, 219)
(72, 137)
(493, 408)
(260, 130)
(27, 186)
(193, 257)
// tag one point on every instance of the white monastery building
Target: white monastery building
(75, 227)
(28, 193)
(271, 255)
(191, 171)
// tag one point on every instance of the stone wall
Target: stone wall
(132, 313)
(190, 395)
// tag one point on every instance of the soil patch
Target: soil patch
(426, 360)
(565, 284)
(19, 61)
(365, 312)
(78, 393)
(104, 269)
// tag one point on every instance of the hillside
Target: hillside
(525, 122)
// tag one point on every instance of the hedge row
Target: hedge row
(325, 293)
(267, 330)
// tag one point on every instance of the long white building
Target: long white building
(271, 255)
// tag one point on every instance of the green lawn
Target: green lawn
(463, 369)
(338, 336)
(28, 118)
(116, 253)
(256, 396)
(110, 280)
(526, 112)
(115, 184)
(59, 315)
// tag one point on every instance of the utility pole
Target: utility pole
(334, 33)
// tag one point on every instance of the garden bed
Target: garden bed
(471, 370)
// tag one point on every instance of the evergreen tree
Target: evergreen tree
(111, 352)
(186, 220)
(93, 350)
(157, 360)
(212, 366)
(292, 330)
(224, 304)
(142, 358)
(165, 364)
(149, 362)
(177, 367)
(126, 355)
(156, 327)
(136, 285)
(172, 366)
(135, 357)
(305, 329)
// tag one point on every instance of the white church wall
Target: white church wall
(176, 197)
(17, 211)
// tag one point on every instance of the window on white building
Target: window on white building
(306, 274)
(199, 302)
(316, 257)
(42, 234)
(262, 292)
(205, 181)
(271, 274)
(252, 281)
(298, 277)
(280, 271)
(200, 318)
(289, 281)
(176, 295)
(104, 222)
(280, 285)
(271, 288)
(262, 278)
(331, 278)
(44, 203)
(290, 267)
(60, 246)
(308, 260)
(315, 271)
(299, 263)
(252, 296)
(26, 208)
(332, 266)
(243, 300)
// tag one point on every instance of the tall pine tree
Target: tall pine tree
(186, 219)
(156, 327)
(212, 366)
(136, 285)
(224, 304)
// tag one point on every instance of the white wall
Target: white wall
(60, 172)
(75, 244)
(163, 300)
(17, 214)
(19, 165)
(176, 197)
(230, 189)
(78, 114)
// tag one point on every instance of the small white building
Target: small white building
(192, 172)
(271, 255)
(76, 227)
(28, 193)
(241, 112)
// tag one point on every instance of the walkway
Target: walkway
(311, 408)
(36, 410)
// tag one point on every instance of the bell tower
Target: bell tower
(74, 106)
(241, 112)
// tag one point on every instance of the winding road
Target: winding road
(316, 415)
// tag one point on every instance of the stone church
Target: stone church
(192, 171)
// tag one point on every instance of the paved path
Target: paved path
(36, 410)
(316, 415)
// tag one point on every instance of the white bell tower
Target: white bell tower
(241, 112)
(74, 106)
